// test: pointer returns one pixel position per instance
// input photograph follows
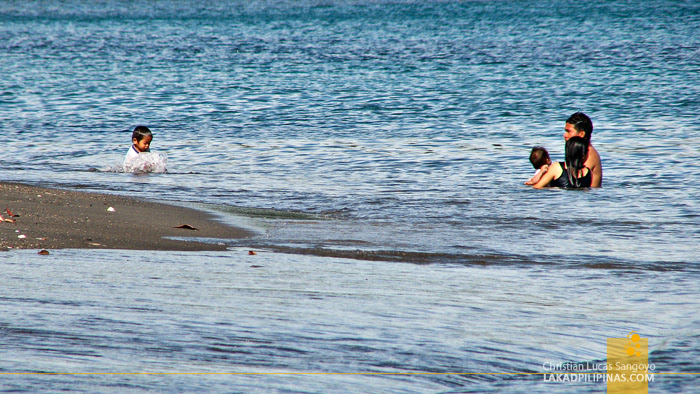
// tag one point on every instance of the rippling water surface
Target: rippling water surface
(379, 150)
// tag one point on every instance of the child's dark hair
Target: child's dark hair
(140, 132)
(539, 157)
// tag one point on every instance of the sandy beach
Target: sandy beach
(41, 218)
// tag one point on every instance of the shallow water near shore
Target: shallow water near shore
(378, 150)
(205, 321)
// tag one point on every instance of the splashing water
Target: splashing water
(145, 162)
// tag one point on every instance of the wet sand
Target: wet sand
(58, 219)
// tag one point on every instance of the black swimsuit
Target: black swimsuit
(563, 180)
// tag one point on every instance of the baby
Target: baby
(539, 157)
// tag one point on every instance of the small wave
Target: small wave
(264, 212)
(400, 256)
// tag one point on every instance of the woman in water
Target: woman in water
(572, 173)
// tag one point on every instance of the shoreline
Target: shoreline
(46, 218)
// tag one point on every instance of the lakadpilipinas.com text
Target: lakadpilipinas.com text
(597, 372)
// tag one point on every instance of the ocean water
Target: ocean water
(378, 149)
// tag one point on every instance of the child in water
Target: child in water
(140, 142)
(573, 173)
(539, 157)
(139, 159)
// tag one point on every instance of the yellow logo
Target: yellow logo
(628, 365)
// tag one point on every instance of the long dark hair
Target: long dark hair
(576, 155)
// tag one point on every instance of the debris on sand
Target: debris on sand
(187, 227)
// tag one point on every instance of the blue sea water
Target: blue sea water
(378, 149)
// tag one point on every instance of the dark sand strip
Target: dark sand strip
(59, 219)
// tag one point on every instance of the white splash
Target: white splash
(145, 162)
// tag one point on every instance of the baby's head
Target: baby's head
(141, 138)
(539, 157)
